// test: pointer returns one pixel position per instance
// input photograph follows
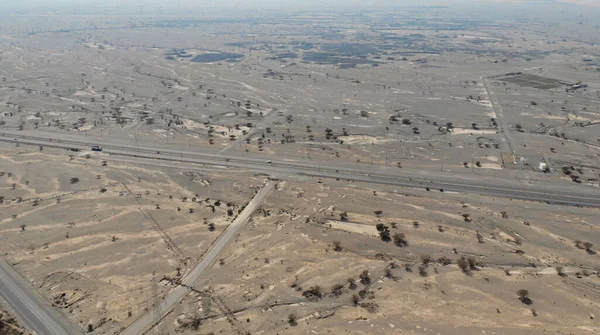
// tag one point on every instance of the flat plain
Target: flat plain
(475, 92)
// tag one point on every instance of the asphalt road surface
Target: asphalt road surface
(565, 194)
(34, 316)
(147, 320)
(34, 313)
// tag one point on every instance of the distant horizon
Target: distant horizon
(38, 6)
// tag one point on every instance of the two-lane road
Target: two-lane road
(35, 317)
(147, 320)
(35, 314)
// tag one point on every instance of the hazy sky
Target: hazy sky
(149, 6)
(221, 3)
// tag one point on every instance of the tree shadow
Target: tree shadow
(526, 301)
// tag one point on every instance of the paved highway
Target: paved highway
(147, 320)
(473, 184)
(35, 314)
(565, 194)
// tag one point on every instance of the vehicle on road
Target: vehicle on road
(96, 148)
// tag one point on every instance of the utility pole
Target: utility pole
(160, 328)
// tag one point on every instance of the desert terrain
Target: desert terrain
(131, 239)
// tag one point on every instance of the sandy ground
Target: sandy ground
(94, 251)
(91, 234)
(289, 249)
(93, 243)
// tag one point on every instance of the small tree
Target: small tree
(385, 235)
(74, 180)
(211, 226)
(337, 246)
(352, 283)
(389, 274)
(23, 226)
(524, 296)
(560, 271)
(423, 271)
(355, 299)
(444, 260)
(313, 294)
(384, 232)
(337, 290)
(472, 263)
(426, 259)
(463, 265)
(365, 279)
(292, 320)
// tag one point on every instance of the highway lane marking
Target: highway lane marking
(314, 171)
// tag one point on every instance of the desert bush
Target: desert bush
(444, 260)
(355, 299)
(426, 259)
(463, 264)
(351, 284)
(365, 279)
(337, 290)
(400, 239)
(292, 320)
(313, 294)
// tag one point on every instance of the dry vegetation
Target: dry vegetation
(504, 98)
(9, 325)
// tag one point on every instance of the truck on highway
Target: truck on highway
(96, 148)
